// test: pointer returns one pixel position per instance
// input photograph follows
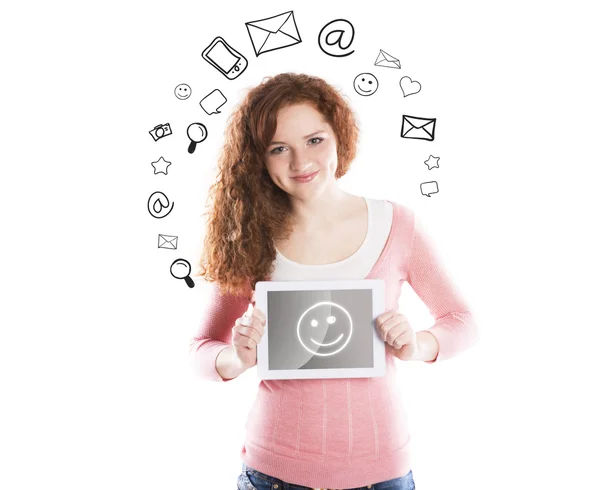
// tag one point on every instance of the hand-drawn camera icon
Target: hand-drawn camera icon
(160, 131)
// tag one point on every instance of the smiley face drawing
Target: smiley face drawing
(183, 91)
(325, 328)
(366, 84)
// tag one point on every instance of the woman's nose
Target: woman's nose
(300, 163)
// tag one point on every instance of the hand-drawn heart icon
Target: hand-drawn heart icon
(409, 87)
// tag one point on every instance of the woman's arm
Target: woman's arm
(428, 346)
(214, 334)
(454, 329)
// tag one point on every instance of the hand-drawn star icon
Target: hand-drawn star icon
(432, 162)
(160, 166)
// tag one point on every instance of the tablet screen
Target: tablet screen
(320, 329)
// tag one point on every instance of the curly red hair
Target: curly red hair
(249, 212)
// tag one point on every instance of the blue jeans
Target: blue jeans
(251, 479)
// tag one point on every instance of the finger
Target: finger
(251, 312)
(248, 342)
(400, 340)
(393, 327)
(396, 316)
(246, 338)
(247, 324)
(381, 319)
(247, 319)
(255, 312)
(394, 320)
(258, 313)
(389, 315)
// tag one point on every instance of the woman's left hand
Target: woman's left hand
(396, 331)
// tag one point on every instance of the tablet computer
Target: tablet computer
(320, 329)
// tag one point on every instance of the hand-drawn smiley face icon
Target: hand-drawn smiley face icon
(366, 84)
(325, 328)
(183, 91)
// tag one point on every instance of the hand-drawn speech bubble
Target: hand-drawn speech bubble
(213, 102)
(428, 188)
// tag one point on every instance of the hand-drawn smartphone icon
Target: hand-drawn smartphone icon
(224, 58)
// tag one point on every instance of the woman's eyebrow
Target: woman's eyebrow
(307, 136)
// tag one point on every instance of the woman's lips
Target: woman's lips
(306, 179)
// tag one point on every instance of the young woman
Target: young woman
(279, 214)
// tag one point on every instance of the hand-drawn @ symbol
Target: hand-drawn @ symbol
(409, 87)
(157, 203)
(428, 188)
(180, 269)
(418, 128)
(332, 36)
(224, 58)
(183, 91)
(273, 33)
(366, 84)
(432, 162)
(167, 241)
(213, 102)
(160, 131)
(160, 166)
(387, 60)
(197, 133)
(320, 319)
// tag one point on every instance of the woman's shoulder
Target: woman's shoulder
(400, 210)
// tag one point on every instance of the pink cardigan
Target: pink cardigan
(342, 433)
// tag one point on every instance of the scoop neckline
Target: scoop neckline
(343, 261)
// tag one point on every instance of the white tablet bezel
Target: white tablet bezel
(378, 293)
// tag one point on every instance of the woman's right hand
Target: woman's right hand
(247, 333)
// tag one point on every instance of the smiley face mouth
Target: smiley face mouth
(330, 343)
(362, 89)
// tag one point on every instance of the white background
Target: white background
(96, 386)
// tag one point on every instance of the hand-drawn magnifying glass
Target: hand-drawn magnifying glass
(197, 133)
(180, 269)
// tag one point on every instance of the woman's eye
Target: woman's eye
(274, 150)
(318, 140)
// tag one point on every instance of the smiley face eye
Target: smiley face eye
(315, 323)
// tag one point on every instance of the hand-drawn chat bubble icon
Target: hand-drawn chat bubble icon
(213, 102)
(428, 188)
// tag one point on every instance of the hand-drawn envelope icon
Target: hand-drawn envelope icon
(418, 128)
(273, 33)
(386, 60)
(167, 241)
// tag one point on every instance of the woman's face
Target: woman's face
(303, 143)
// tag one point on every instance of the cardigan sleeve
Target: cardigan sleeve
(454, 327)
(215, 332)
